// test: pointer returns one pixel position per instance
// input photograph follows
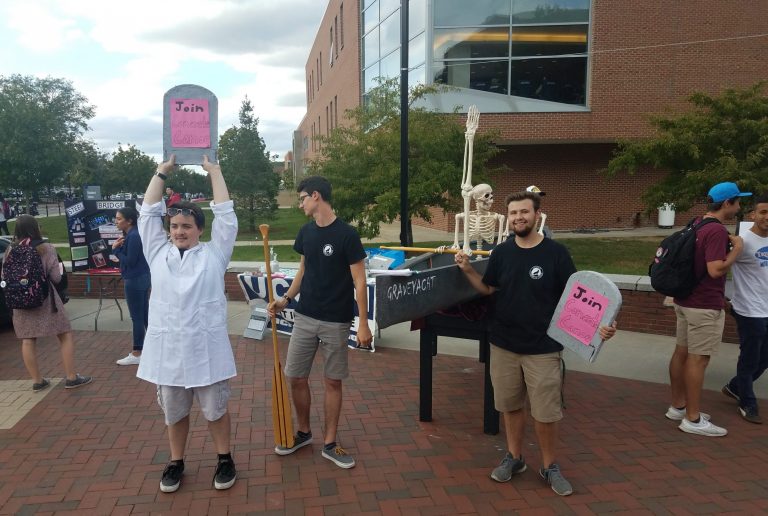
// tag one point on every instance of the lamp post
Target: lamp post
(406, 237)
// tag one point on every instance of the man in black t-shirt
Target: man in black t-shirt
(331, 272)
(528, 273)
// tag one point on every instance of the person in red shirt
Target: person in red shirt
(701, 316)
(173, 197)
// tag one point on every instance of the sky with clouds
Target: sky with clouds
(123, 56)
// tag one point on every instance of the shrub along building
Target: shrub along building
(562, 81)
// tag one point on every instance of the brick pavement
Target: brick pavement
(101, 449)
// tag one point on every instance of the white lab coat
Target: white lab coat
(187, 344)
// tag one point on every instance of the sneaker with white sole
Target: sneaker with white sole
(676, 414)
(509, 466)
(556, 480)
(338, 456)
(703, 427)
(131, 359)
(300, 440)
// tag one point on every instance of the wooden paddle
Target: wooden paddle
(281, 404)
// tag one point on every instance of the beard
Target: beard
(523, 232)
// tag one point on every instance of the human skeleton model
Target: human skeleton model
(482, 224)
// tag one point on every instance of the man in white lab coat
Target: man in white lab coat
(187, 352)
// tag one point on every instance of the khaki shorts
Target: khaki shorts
(310, 334)
(176, 402)
(539, 376)
(700, 330)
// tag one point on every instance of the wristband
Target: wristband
(285, 296)
(161, 176)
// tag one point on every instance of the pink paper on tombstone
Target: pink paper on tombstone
(582, 313)
(190, 123)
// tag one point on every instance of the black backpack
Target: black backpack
(62, 287)
(672, 270)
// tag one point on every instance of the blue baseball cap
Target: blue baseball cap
(724, 191)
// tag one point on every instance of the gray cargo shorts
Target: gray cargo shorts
(310, 334)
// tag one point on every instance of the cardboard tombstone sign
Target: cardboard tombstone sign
(190, 124)
(589, 301)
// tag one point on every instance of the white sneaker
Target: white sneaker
(131, 359)
(703, 427)
(676, 414)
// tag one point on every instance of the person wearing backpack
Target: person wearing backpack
(701, 315)
(48, 318)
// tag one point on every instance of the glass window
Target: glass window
(371, 17)
(390, 34)
(549, 40)
(457, 13)
(369, 75)
(557, 80)
(417, 13)
(386, 7)
(417, 50)
(550, 11)
(390, 65)
(366, 3)
(417, 76)
(471, 43)
(477, 75)
(371, 47)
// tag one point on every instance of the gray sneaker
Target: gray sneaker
(79, 381)
(298, 442)
(509, 466)
(338, 456)
(556, 480)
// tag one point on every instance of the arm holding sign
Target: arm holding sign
(154, 193)
(606, 332)
(474, 278)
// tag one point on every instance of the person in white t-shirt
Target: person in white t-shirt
(750, 308)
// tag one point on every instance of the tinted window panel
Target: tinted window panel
(477, 75)
(550, 11)
(557, 80)
(549, 40)
(471, 43)
(475, 12)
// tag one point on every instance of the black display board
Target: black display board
(92, 231)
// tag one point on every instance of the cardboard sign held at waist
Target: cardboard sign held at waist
(589, 301)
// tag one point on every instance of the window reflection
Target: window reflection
(549, 40)
(417, 50)
(390, 65)
(390, 33)
(471, 43)
(488, 76)
(371, 17)
(369, 76)
(417, 10)
(550, 11)
(386, 7)
(556, 80)
(371, 47)
(457, 13)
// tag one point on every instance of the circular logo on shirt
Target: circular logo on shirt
(536, 272)
(327, 249)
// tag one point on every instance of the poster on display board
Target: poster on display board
(92, 231)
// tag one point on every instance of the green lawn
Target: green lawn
(607, 255)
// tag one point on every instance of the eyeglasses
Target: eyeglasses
(184, 212)
(302, 197)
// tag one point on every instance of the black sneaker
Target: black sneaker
(299, 441)
(172, 476)
(42, 385)
(225, 475)
(79, 381)
(729, 392)
(751, 414)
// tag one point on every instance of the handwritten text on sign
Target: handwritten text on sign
(190, 123)
(582, 313)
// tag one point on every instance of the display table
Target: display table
(107, 282)
(255, 290)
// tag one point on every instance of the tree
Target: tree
(245, 161)
(723, 138)
(41, 120)
(362, 159)
(128, 170)
(189, 181)
(89, 166)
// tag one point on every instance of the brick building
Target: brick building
(561, 80)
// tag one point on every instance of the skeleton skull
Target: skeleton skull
(483, 196)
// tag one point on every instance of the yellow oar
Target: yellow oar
(281, 404)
